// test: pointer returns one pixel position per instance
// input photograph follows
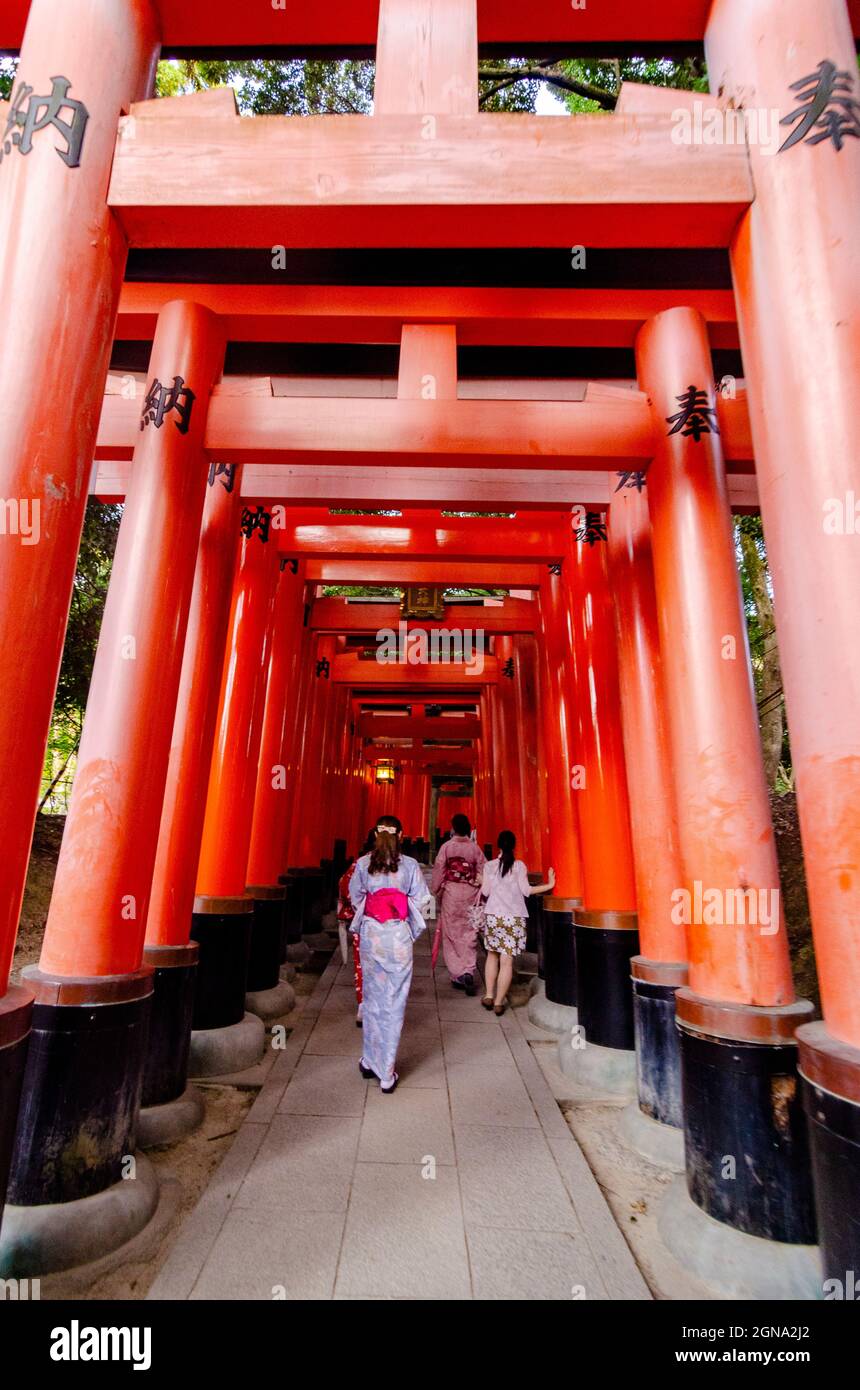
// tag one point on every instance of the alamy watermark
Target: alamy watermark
(405, 646)
(727, 907)
(702, 123)
(21, 517)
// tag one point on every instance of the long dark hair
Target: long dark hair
(507, 842)
(385, 855)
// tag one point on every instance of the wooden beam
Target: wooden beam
(482, 317)
(368, 701)
(343, 24)
(433, 758)
(345, 485)
(351, 670)
(602, 180)
(541, 540)
(477, 574)
(408, 726)
(336, 615)
(608, 431)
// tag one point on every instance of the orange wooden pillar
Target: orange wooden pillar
(536, 847)
(662, 965)
(510, 786)
(225, 1039)
(296, 950)
(559, 730)
(93, 997)
(62, 260)
(605, 926)
(267, 854)
(311, 815)
(737, 1016)
(488, 833)
(169, 950)
(795, 274)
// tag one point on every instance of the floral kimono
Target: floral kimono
(387, 920)
(456, 882)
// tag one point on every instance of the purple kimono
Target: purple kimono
(386, 957)
(456, 883)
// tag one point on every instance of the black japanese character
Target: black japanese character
(829, 108)
(161, 400)
(251, 521)
(29, 114)
(508, 668)
(323, 668)
(695, 417)
(226, 472)
(594, 529)
(636, 480)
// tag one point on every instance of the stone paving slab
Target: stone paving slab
(419, 1249)
(465, 1183)
(417, 1129)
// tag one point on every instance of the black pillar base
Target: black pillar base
(16, 1010)
(605, 944)
(165, 1072)
(222, 929)
(658, 1052)
(77, 1118)
(535, 909)
(267, 938)
(559, 951)
(328, 884)
(830, 1080)
(292, 907)
(745, 1140)
(312, 895)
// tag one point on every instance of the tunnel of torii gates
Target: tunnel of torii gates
(238, 718)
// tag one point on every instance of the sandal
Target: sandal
(367, 1073)
(388, 1090)
(499, 1009)
(487, 1001)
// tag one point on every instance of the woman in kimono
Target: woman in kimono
(505, 886)
(455, 884)
(386, 890)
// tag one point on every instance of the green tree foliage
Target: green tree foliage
(764, 652)
(268, 87)
(98, 542)
(7, 73)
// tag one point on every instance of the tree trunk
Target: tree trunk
(771, 700)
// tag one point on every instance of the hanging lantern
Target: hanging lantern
(385, 771)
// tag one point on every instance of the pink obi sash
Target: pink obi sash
(387, 905)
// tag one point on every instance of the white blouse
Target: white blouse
(506, 897)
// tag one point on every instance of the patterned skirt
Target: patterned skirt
(505, 935)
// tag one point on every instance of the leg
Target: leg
(506, 974)
(491, 974)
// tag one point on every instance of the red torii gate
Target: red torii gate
(415, 172)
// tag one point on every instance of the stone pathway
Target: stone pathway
(466, 1183)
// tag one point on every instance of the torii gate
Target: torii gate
(415, 173)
